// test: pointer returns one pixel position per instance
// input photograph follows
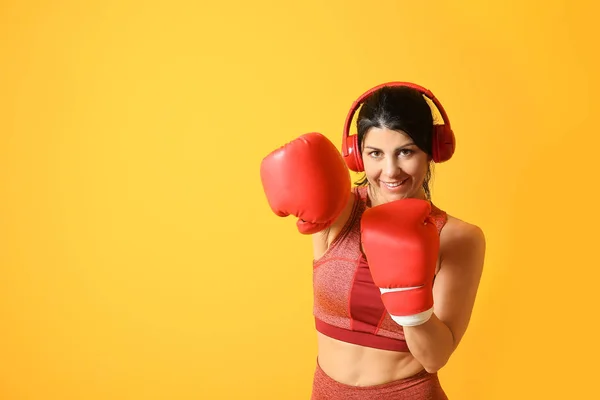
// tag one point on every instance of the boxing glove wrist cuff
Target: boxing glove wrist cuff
(413, 320)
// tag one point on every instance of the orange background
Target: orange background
(139, 258)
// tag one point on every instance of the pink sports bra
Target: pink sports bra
(347, 305)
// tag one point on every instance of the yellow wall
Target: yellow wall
(139, 258)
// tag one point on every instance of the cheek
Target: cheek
(373, 175)
(417, 168)
(371, 168)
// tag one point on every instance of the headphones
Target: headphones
(443, 143)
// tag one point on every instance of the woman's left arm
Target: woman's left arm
(462, 248)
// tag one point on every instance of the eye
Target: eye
(375, 153)
(405, 152)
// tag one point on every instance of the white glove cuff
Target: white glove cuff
(413, 320)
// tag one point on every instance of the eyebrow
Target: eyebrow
(397, 148)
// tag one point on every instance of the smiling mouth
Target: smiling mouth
(394, 185)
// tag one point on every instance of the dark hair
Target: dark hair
(398, 108)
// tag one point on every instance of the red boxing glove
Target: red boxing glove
(308, 178)
(401, 243)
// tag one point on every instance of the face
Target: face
(394, 165)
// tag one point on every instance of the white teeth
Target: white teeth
(393, 185)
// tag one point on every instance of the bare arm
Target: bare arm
(323, 239)
(454, 292)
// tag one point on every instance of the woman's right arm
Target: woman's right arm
(323, 239)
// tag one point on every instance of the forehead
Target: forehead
(383, 138)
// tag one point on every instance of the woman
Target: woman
(364, 350)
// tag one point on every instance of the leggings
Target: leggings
(422, 386)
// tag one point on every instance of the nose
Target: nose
(392, 167)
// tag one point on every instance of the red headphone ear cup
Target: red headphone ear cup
(352, 155)
(444, 143)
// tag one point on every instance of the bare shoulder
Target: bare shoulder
(457, 229)
(462, 240)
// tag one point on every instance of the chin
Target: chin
(388, 195)
(400, 192)
(395, 197)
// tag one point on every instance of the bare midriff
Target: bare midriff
(356, 365)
